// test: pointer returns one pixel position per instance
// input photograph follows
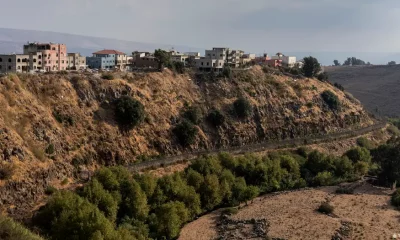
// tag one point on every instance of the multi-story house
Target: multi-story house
(54, 55)
(144, 60)
(75, 61)
(185, 58)
(20, 62)
(287, 61)
(108, 59)
(218, 58)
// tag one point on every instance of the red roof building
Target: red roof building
(108, 51)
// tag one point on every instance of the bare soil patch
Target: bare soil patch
(366, 214)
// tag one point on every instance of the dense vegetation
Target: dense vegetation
(117, 205)
(11, 230)
(331, 100)
(311, 67)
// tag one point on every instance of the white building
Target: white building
(287, 61)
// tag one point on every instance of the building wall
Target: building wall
(76, 61)
(54, 55)
(94, 62)
(145, 62)
(20, 62)
(121, 61)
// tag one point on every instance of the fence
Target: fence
(257, 147)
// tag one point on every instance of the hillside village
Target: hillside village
(52, 57)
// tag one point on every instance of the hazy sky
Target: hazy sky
(253, 25)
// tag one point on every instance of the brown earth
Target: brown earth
(367, 214)
(73, 114)
(377, 87)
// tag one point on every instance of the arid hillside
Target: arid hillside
(56, 128)
(377, 87)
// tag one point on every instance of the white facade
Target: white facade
(287, 61)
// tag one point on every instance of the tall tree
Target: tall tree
(311, 67)
(163, 58)
(336, 62)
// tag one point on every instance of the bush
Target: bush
(186, 132)
(50, 190)
(107, 76)
(396, 198)
(229, 211)
(129, 112)
(216, 118)
(65, 181)
(393, 130)
(343, 190)
(365, 143)
(311, 67)
(11, 230)
(50, 149)
(323, 179)
(339, 86)
(359, 154)
(63, 118)
(227, 72)
(193, 114)
(323, 76)
(242, 107)
(325, 208)
(6, 171)
(331, 100)
(309, 104)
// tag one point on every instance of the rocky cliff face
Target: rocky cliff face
(57, 126)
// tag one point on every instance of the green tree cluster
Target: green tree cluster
(118, 205)
(129, 112)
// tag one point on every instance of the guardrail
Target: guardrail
(257, 147)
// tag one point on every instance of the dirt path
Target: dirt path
(367, 214)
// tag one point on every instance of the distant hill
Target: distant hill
(11, 40)
(377, 87)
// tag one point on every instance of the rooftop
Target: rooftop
(107, 51)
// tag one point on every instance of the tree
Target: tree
(170, 217)
(163, 58)
(353, 61)
(11, 230)
(96, 194)
(193, 114)
(359, 154)
(242, 107)
(134, 201)
(129, 112)
(336, 63)
(311, 67)
(323, 76)
(388, 157)
(392, 63)
(186, 133)
(68, 216)
(210, 192)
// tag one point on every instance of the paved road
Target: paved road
(258, 147)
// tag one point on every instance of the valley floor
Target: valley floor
(365, 214)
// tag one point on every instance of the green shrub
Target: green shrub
(309, 104)
(193, 114)
(242, 107)
(216, 118)
(107, 76)
(227, 72)
(359, 154)
(50, 190)
(129, 112)
(365, 143)
(63, 118)
(6, 171)
(323, 179)
(11, 230)
(64, 181)
(396, 198)
(50, 149)
(339, 86)
(393, 130)
(325, 208)
(229, 211)
(186, 132)
(344, 190)
(323, 76)
(331, 100)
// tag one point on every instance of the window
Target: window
(34, 67)
(213, 55)
(39, 62)
(1, 59)
(45, 55)
(40, 57)
(57, 61)
(202, 63)
(220, 55)
(220, 64)
(67, 61)
(18, 60)
(1, 66)
(62, 61)
(208, 63)
(9, 67)
(53, 48)
(34, 60)
(45, 62)
(56, 54)
(9, 60)
(49, 61)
